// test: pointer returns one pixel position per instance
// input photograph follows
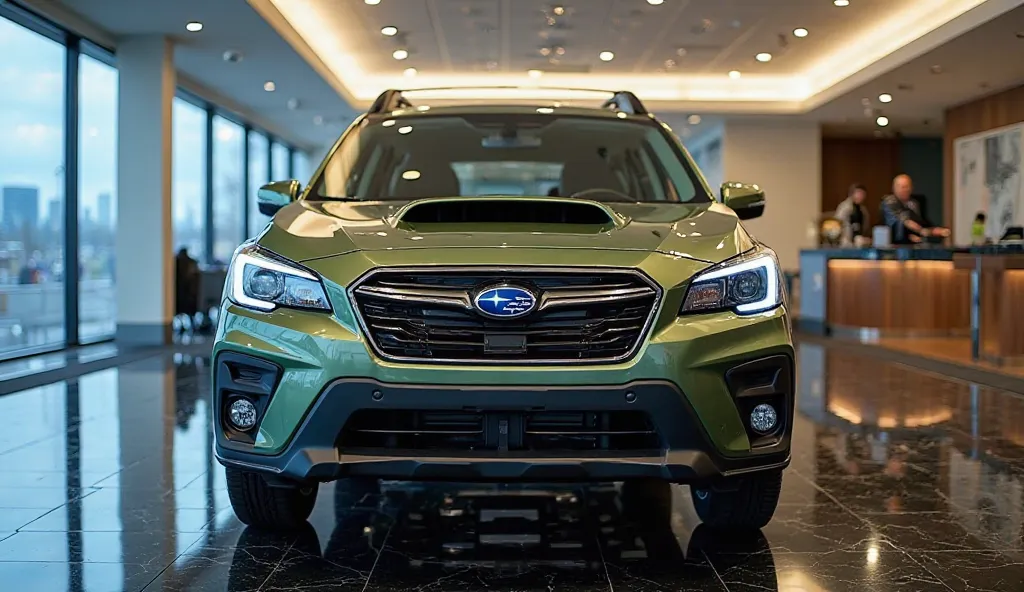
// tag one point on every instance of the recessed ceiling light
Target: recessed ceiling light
(558, 10)
(406, 129)
(655, 2)
(800, 32)
(194, 26)
(764, 57)
(293, 104)
(534, 73)
(841, 3)
(411, 175)
(734, 74)
(318, 120)
(545, 110)
(372, 2)
(693, 119)
(882, 121)
(606, 56)
(936, 69)
(389, 31)
(388, 123)
(269, 86)
(885, 98)
(400, 54)
(410, 72)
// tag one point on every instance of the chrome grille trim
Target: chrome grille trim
(549, 299)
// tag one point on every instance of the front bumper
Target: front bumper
(686, 454)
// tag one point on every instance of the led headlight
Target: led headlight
(261, 280)
(748, 284)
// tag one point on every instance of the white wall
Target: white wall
(784, 158)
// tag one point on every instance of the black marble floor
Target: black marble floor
(900, 480)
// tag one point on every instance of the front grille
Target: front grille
(550, 431)
(581, 316)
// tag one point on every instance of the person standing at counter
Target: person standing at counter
(853, 215)
(902, 214)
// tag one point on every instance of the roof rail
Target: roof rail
(390, 100)
(626, 102)
(623, 101)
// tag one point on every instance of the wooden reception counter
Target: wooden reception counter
(998, 287)
(916, 292)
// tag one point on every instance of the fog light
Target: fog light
(242, 414)
(763, 418)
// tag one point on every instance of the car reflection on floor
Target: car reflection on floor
(448, 536)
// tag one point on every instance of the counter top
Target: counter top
(912, 253)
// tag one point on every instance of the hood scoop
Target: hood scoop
(588, 215)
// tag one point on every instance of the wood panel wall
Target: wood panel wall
(993, 111)
(871, 162)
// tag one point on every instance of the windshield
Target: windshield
(509, 155)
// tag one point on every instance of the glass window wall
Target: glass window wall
(228, 187)
(31, 191)
(259, 175)
(33, 206)
(97, 199)
(188, 182)
(280, 162)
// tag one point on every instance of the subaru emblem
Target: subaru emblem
(505, 302)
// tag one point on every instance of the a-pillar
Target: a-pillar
(145, 265)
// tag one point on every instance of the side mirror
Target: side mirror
(274, 196)
(744, 199)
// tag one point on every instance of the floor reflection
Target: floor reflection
(900, 480)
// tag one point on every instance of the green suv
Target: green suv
(505, 293)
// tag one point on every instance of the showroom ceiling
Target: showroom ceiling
(694, 37)
(684, 54)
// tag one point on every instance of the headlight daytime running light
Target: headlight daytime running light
(748, 285)
(263, 281)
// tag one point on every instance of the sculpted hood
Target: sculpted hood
(311, 230)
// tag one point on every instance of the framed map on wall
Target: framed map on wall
(988, 169)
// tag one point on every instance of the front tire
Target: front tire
(740, 504)
(269, 508)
